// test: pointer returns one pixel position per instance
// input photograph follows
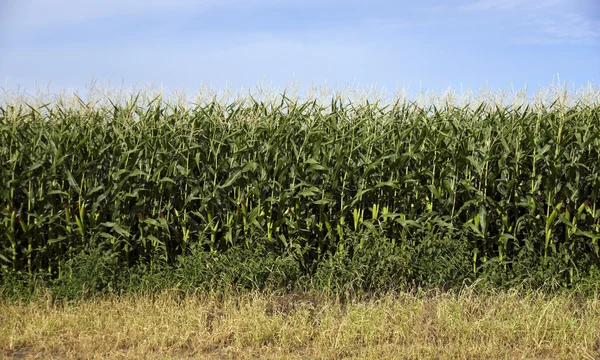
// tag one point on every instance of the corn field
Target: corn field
(147, 180)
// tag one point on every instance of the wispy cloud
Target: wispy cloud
(439, 8)
(487, 5)
(36, 14)
(181, 63)
(572, 26)
(567, 29)
(386, 24)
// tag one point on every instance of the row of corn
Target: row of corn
(147, 181)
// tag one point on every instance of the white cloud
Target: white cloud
(487, 5)
(184, 63)
(439, 8)
(572, 26)
(547, 40)
(36, 14)
(567, 29)
(385, 24)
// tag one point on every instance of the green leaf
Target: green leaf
(307, 193)
(117, 228)
(72, 182)
(231, 180)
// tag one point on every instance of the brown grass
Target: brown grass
(308, 326)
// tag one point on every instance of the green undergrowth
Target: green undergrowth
(378, 268)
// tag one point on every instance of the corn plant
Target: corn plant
(146, 179)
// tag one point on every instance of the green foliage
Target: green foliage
(93, 272)
(257, 194)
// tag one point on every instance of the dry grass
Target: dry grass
(439, 326)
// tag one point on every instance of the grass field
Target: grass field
(305, 326)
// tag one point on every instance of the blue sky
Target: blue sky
(65, 44)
